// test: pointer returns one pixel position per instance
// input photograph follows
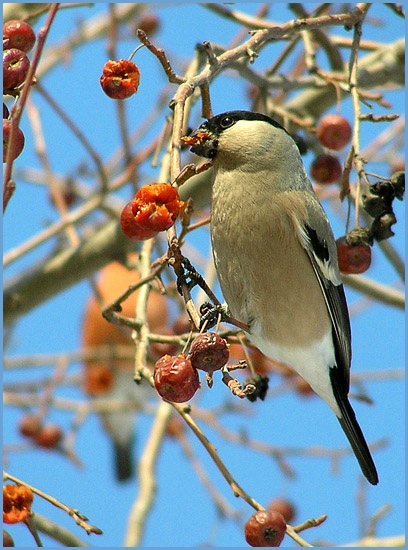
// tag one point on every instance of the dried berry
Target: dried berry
(398, 184)
(334, 131)
(154, 209)
(326, 169)
(175, 378)
(381, 226)
(209, 352)
(120, 79)
(18, 141)
(261, 384)
(265, 528)
(18, 34)
(15, 68)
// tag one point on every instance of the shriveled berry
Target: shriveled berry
(15, 68)
(49, 436)
(175, 378)
(6, 112)
(381, 226)
(353, 258)
(261, 384)
(18, 34)
(30, 425)
(209, 352)
(334, 131)
(120, 79)
(326, 169)
(284, 507)
(18, 141)
(265, 528)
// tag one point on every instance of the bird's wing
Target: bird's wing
(333, 292)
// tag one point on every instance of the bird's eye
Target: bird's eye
(226, 122)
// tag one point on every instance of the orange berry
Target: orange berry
(120, 79)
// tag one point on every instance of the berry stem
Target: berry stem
(135, 50)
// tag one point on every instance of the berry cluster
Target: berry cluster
(378, 201)
(354, 249)
(176, 377)
(333, 132)
(18, 40)
(47, 436)
(154, 208)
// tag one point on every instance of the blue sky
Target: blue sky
(183, 514)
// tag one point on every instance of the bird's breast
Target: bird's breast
(265, 274)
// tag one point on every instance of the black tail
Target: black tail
(123, 456)
(350, 426)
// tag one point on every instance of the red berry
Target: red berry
(18, 141)
(353, 258)
(18, 34)
(326, 169)
(120, 79)
(265, 528)
(15, 68)
(334, 131)
(175, 378)
(130, 228)
(284, 507)
(209, 352)
(30, 425)
(7, 539)
(49, 436)
(154, 209)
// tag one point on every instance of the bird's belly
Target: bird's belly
(271, 286)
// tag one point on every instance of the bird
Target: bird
(276, 260)
(111, 377)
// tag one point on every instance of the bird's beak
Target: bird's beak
(196, 138)
(202, 142)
